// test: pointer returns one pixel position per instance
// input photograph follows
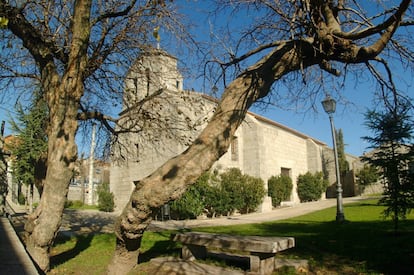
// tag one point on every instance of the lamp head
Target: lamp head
(329, 105)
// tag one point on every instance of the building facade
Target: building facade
(88, 171)
(163, 120)
(21, 193)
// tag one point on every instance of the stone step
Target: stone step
(176, 266)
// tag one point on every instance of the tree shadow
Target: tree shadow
(362, 245)
(82, 243)
(172, 250)
(86, 222)
(18, 220)
(161, 248)
(368, 245)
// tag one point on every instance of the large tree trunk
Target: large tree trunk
(43, 224)
(63, 94)
(170, 181)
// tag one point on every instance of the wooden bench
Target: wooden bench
(261, 250)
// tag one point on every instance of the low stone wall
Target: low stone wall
(75, 194)
(377, 188)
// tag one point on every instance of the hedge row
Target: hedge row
(223, 194)
(220, 194)
(311, 186)
(279, 188)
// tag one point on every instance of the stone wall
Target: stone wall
(138, 155)
(348, 181)
(168, 123)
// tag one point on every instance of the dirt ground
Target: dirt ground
(87, 221)
(75, 222)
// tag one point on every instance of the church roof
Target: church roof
(284, 127)
(272, 122)
(154, 51)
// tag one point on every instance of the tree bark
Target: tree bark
(171, 180)
(43, 224)
(63, 94)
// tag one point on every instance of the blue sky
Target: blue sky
(348, 117)
(353, 102)
(316, 124)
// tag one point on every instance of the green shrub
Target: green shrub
(222, 203)
(253, 193)
(190, 205)
(106, 201)
(367, 175)
(209, 188)
(279, 189)
(68, 204)
(21, 199)
(221, 194)
(231, 190)
(311, 186)
(237, 192)
(73, 204)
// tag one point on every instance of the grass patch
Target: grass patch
(83, 254)
(157, 244)
(365, 244)
(90, 254)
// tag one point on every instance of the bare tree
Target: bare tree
(295, 42)
(78, 52)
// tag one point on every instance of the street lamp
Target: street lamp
(329, 105)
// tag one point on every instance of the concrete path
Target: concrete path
(13, 256)
(276, 214)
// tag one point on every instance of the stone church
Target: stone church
(161, 120)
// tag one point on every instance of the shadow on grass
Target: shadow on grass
(162, 247)
(351, 247)
(82, 243)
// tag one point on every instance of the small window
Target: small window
(235, 149)
(137, 151)
(136, 85)
(147, 74)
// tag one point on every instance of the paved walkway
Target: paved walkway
(276, 214)
(13, 256)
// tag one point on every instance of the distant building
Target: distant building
(260, 147)
(3, 173)
(18, 192)
(78, 188)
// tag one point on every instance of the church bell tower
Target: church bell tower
(154, 70)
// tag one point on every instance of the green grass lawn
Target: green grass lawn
(364, 244)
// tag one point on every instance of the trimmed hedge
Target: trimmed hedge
(279, 189)
(190, 205)
(106, 201)
(253, 194)
(220, 194)
(311, 186)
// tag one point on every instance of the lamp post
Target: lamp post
(329, 105)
